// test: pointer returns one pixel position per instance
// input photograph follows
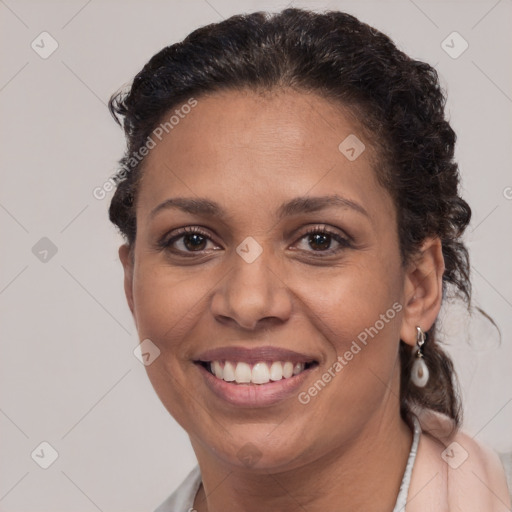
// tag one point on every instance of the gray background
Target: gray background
(68, 375)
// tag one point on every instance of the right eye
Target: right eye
(191, 239)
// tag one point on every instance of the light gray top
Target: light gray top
(182, 499)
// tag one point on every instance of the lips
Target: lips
(256, 376)
(254, 355)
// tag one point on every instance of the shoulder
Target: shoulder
(461, 472)
(182, 499)
(477, 474)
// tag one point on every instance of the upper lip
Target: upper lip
(253, 355)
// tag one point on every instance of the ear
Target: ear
(126, 257)
(423, 290)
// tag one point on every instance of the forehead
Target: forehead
(237, 118)
(273, 145)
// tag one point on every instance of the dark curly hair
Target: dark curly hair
(398, 100)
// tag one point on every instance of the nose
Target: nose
(254, 294)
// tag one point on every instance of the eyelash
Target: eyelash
(166, 243)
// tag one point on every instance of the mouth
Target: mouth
(256, 377)
(260, 373)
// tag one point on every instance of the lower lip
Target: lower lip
(254, 395)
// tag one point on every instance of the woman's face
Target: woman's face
(252, 175)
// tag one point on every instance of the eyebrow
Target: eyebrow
(304, 204)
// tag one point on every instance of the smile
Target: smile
(259, 373)
(254, 377)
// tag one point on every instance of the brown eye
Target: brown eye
(320, 240)
(186, 241)
(194, 242)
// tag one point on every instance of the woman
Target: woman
(290, 206)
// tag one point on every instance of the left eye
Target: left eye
(321, 238)
(194, 240)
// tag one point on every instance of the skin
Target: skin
(250, 153)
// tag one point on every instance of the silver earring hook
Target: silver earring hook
(420, 340)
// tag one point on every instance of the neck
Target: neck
(351, 478)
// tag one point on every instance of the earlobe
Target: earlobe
(126, 257)
(423, 290)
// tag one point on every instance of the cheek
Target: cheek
(165, 302)
(358, 311)
(165, 305)
(349, 299)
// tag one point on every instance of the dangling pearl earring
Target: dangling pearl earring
(419, 372)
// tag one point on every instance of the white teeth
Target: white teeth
(243, 373)
(287, 370)
(217, 369)
(260, 373)
(229, 372)
(276, 371)
(298, 368)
